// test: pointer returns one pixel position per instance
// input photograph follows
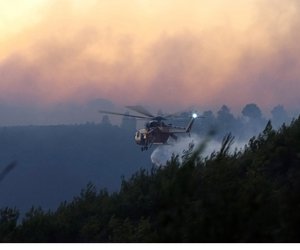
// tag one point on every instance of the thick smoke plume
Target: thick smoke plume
(151, 52)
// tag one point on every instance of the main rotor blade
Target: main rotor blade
(120, 114)
(141, 110)
(173, 115)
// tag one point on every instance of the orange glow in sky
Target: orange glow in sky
(171, 53)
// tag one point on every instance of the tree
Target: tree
(226, 121)
(252, 111)
(254, 119)
(8, 224)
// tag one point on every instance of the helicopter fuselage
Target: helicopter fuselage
(145, 136)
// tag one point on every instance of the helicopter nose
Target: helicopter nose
(137, 138)
(137, 141)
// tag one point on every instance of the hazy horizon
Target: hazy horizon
(75, 113)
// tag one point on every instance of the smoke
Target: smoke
(164, 153)
(152, 53)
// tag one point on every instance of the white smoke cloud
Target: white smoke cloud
(163, 153)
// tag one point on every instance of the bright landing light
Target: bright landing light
(195, 115)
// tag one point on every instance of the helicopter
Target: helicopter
(155, 130)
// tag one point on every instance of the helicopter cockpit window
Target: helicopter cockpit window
(153, 124)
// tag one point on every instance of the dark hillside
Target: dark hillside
(249, 196)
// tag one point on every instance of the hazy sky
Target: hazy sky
(170, 53)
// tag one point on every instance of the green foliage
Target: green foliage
(8, 224)
(247, 196)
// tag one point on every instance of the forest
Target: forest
(54, 162)
(251, 195)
